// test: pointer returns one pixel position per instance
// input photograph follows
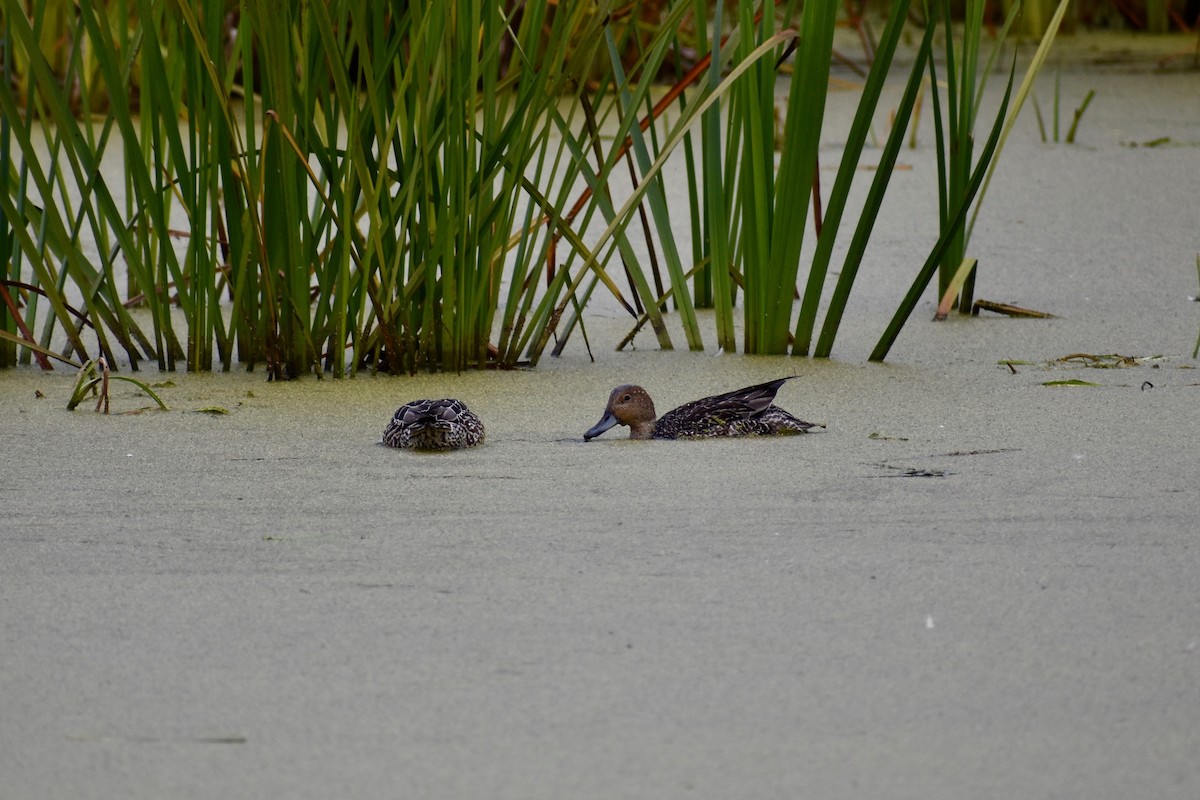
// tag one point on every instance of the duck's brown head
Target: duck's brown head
(627, 405)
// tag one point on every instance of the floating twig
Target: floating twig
(1104, 361)
(1009, 310)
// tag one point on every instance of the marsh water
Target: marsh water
(970, 583)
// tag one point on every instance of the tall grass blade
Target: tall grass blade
(621, 217)
(866, 221)
(1031, 73)
(657, 199)
(943, 244)
(856, 140)
(772, 289)
(9, 267)
(713, 281)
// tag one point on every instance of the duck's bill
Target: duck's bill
(606, 422)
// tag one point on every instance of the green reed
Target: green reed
(838, 197)
(964, 192)
(407, 185)
(55, 195)
(362, 185)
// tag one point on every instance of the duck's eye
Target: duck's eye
(626, 399)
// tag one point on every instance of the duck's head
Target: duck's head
(627, 405)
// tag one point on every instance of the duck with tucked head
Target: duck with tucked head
(745, 412)
(445, 424)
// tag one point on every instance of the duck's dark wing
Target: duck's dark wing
(427, 412)
(715, 416)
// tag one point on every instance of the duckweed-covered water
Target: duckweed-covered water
(969, 584)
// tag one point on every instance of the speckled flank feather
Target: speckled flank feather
(434, 425)
(745, 412)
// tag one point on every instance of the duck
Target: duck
(744, 412)
(445, 424)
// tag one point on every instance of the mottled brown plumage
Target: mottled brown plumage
(434, 425)
(745, 412)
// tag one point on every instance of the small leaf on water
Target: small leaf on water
(212, 410)
(1072, 382)
(164, 385)
(884, 437)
